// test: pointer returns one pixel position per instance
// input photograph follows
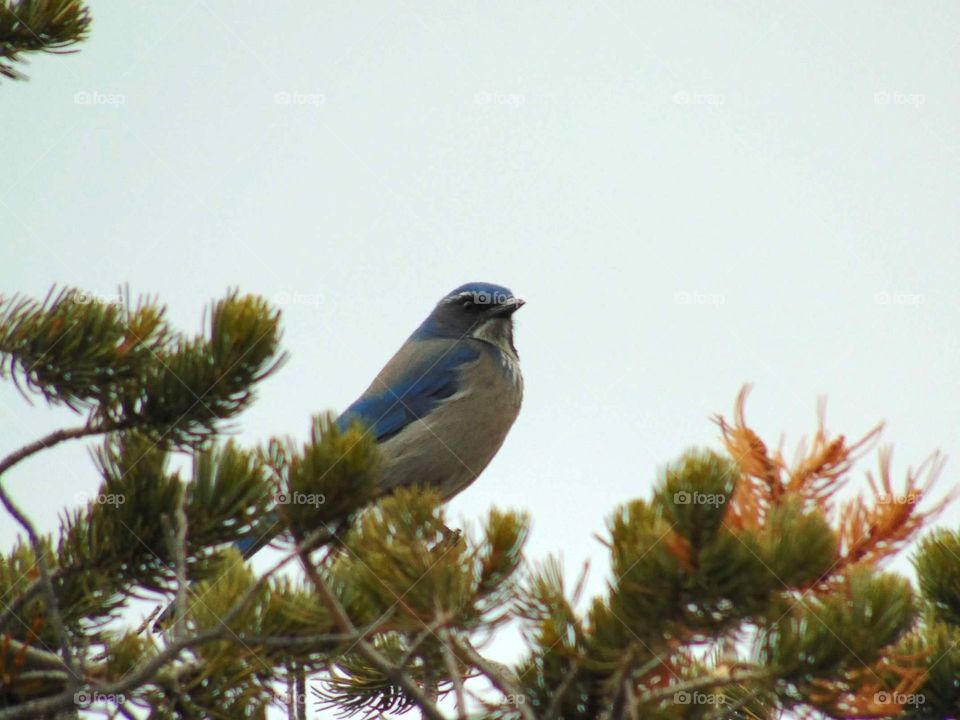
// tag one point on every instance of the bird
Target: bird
(441, 408)
(443, 404)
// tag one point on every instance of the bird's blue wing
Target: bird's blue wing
(412, 384)
(252, 544)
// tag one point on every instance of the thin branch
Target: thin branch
(624, 696)
(53, 607)
(701, 683)
(300, 695)
(428, 631)
(55, 438)
(553, 709)
(498, 676)
(177, 539)
(454, 672)
(292, 641)
(31, 657)
(34, 588)
(39, 676)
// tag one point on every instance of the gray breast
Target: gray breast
(451, 446)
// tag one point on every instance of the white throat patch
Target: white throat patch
(499, 333)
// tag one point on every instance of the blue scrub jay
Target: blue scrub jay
(442, 406)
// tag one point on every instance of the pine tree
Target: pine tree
(743, 587)
(50, 26)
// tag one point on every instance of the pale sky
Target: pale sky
(690, 196)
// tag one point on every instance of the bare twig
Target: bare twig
(553, 709)
(427, 631)
(15, 652)
(177, 538)
(55, 438)
(454, 672)
(53, 607)
(498, 675)
(300, 694)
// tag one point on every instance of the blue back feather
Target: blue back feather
(390, 405)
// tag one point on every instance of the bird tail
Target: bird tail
(248, 547)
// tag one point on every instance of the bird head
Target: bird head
(478, 310)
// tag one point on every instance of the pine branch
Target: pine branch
(54, 615)
(727, 553)
(55, 438)
(702, 683)
(149, 670)
(39, 26)
(553, 709)
(343, 621)
(16, 652)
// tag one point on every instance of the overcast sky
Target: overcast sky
(690, 196)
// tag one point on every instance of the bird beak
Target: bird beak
(508, 308)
